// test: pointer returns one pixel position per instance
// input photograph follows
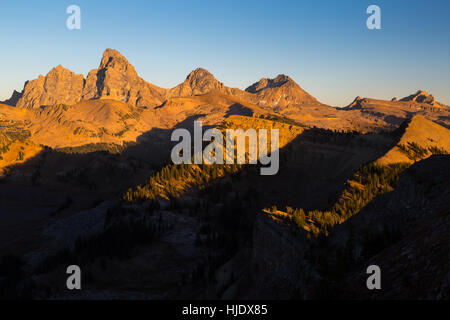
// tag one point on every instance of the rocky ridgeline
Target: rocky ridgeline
(117, 79)
(199, 81)
(114, 79)
(280, 92)
(404, 232)
(58, 85)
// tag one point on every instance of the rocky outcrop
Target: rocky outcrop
(421, 97)
(199, 81)
(114, 79)
(117, 79)
(355, 103)
(14, 98)
(279, 269)
(266, 83)
(60, 85)
(280, 92)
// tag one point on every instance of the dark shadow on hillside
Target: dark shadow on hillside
(115, 169)
(238, 109)
(74, 181)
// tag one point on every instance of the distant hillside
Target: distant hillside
(405, 232)
(394, 112)
(15, 145)
(419, 138)
(416, 139)
(174, 181)
(117, 80)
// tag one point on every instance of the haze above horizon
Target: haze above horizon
(324, 46)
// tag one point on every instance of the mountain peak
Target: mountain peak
(60, 85)
(420, 96)
(282, 79)
(266, 83)
(199, 73)
(356, 103)
(280, 92)
(110, 54)
(199, 81)
(113, 59)
(117, 79)
(59, 70)
(15, 97)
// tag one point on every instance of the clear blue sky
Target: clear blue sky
(323, 45)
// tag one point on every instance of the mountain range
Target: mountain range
(113, 104)
(85, 177)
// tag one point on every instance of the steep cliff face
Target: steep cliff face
(406, 234)
(421, 97)
(279, 268)
(114, 79)
(12, 101)
(117, 79)
(60, 85)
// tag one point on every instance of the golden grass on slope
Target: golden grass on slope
(422, 132)
(287, 131)
(111, 121)
(18, 152)
(418, 139)
(92, 121)
(175, 180)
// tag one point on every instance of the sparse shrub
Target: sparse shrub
(20, 156)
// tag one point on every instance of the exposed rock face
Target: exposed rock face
(278, 264)
(420, 97)
(280, 92)
(412, 222)
(117, 79)
(394, 112)
(355, 104)
(14, 98)
(199, 81)
(266, 83)
(60, 85)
